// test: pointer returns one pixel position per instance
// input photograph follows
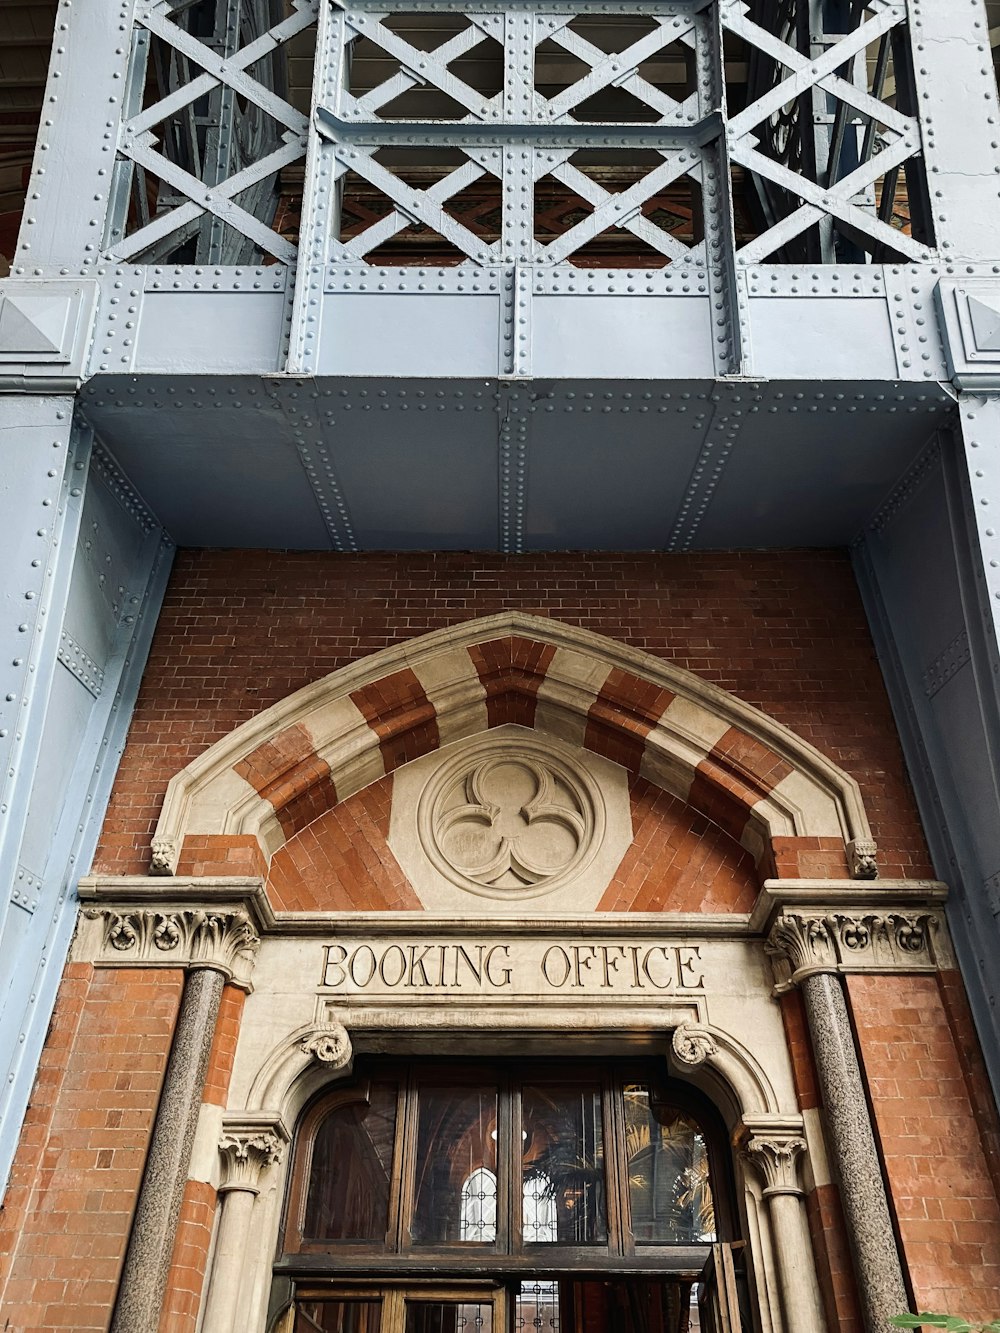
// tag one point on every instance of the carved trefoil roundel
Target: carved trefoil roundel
(507, 818)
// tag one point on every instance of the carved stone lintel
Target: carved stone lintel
(692, 1045)
(188, 937)
(776, 1159)
(862, 854)
(244, 1157)
(330, 1045)
(165, 854)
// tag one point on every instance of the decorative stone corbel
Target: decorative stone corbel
(165, 855)
(692, 1045)
(223, 940)
(331, 1046)
(861, 855)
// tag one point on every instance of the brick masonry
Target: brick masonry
(68, 1211)
(241, 630)
(942, 1191)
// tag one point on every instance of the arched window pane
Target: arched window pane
(351, 1168)
(562, 1159)
(667, 1165)
(479, 1206)
(456, 1137)
(538, 1209)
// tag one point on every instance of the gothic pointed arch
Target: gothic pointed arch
(235, 805)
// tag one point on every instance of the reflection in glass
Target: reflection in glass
(479, 1206)
(667, 1164)
(562, 1160)
(449, 1317)
(536, 1307)
(455, 1140)
(633, 1305)
(351, 1164)
(337, 1317)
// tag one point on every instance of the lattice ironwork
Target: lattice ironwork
(829, 137)
(576, 127)
(651, 132)
(569, 128)
(208, 128)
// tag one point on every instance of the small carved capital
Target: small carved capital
(776, 1158)
(330, 1045)
(692, 1045)
(188, 937)
(862, 854)
(244, 1157)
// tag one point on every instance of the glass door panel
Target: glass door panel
(338, 1316)
(455, 1169)
(563, 1189)
(670, 1197)
(449, 1317)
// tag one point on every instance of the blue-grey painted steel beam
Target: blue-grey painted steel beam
(96, 607)
(920, 572)
(73, 168)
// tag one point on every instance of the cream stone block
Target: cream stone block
(347, 743)
(812, 809)
(221, 804)
(507, 816)
(818, 1161)
(451, 682)
(571, 685)
(695, 724)
(205, 1150)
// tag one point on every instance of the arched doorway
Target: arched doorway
(536, 1196)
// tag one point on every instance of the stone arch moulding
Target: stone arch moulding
(235, 805)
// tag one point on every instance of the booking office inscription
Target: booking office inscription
(512, 967)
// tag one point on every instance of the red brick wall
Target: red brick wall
(678, 861)
(67, 1217)
(947, 1209)
(240, 630)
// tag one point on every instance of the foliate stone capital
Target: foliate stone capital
(776, 1158)
(800, 945)
(245, 1154)
(331, 1046)
(804, 943)
(692, 1045)
(187, 937)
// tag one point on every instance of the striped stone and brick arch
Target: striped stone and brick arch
(232, 809)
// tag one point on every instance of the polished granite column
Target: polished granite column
(147, 1260)
(855, 1156)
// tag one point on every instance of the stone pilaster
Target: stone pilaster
(246, 1152)
(775, 1156)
